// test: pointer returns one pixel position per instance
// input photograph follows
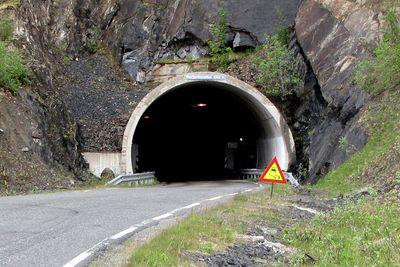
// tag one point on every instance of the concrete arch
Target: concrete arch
(276, 140)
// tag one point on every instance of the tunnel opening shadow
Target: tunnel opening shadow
(197, 132)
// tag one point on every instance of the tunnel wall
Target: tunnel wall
(277, 140)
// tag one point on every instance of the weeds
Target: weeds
(364, 233)
(279, 74)
(6, 30)
(382, 72)
(13, 72)
(220, 51)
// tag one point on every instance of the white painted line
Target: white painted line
(248, 190)
(86, 191)
(306, 209)
(191, 206)
(215, 198)
(233, 194)
(75, 261)
(108, 189)
(166, 215)
(123, 233)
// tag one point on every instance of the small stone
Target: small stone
(107, 174)
(181, 53)
(141, 77)
(72, 182)
(1, 131)
(25, 149)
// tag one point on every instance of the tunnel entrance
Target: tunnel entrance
(197, 132)
(204, 126)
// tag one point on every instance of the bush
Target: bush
(382, 72)
(220, 52)
(13, 72)
(278, 71)
(6, 30)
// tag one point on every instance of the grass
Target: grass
(210, 231)
(381, 119)
(364, 233)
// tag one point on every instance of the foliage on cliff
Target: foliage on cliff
(278, 74)
(382, 72)
(13, 72)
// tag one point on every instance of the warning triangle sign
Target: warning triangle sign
(273, 173)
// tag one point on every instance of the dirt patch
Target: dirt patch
(22, 150)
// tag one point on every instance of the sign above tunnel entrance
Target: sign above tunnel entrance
(273, 173)
(205, 77)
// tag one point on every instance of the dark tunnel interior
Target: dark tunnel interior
(201, 132)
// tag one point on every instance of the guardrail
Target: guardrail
(134, 178)
(254, 174)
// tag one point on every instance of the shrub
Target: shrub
(6, 30)
(220, 51)
(13, 72)
(382, 71)
(278, 72)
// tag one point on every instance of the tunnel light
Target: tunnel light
(146, 117)
(241, 139)
(200, 105)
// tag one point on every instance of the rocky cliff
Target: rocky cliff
(331, 36)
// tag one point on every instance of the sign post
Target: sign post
(273, 174)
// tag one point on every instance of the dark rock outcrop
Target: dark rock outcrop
(332, 52)
(142, 33)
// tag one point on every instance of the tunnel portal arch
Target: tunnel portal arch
(275, 138)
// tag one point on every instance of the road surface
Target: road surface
(56, 229)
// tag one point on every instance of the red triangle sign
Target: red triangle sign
(273, 173)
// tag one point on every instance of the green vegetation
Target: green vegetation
(362, 231)
(13, 72)
(220, 51)
(365, 233)
(210, 231)
(278, 74)
(6, 30)
(6, 4)
(94, 44)
(380, 118)
(382, 72)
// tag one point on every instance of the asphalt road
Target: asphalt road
(52, 229)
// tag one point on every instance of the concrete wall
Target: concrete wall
(100, 161)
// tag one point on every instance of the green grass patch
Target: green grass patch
(13, 72)
(210, 231)
(381, 118)
(365, 233)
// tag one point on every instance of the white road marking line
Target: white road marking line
(166, 215)
(215, 198)
(191, 205)
(306, 209)
(123, 233)
(75, 261)
(86, 191)
(81, 257)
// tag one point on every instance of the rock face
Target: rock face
(80, 107)
(142, 33)
(333, 52)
